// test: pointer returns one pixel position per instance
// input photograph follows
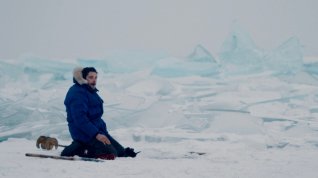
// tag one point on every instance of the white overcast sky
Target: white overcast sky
(93, 28)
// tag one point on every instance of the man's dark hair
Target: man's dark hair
(86, 70)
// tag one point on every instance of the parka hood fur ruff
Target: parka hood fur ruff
(77, 74)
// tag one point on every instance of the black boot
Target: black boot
(129, 152)
(75, 148)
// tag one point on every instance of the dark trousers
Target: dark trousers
(94, 148)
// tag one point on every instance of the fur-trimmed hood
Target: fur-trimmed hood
(78, 77)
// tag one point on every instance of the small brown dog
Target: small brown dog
(46, 143)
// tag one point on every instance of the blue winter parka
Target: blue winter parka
(84, 109)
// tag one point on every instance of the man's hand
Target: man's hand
(102, 138)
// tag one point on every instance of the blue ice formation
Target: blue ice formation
(34, 67)
(287, 58)
(240, 55)
(200, 54)
(176, 67)
(311, 68)
(125, 62)
(199, 62)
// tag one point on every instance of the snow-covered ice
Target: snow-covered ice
(254, 113)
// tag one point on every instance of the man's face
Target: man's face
(92, 79)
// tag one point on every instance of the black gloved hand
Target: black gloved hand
(129, 152)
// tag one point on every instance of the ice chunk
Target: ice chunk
(9, 72)
(287, 58)
(312, 68)
(239, 123)
(239, 54)
(200, 54)
(151, 87)
(176, 67)
(199, 62)
(35, 67)
(125, 62)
